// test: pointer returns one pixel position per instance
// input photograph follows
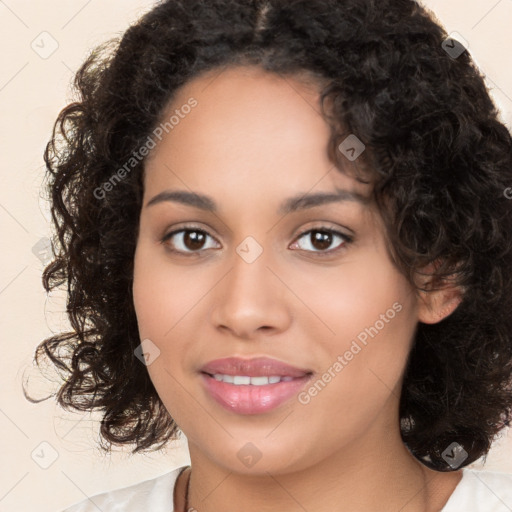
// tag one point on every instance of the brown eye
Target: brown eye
(193, 240)
(319, 240)
(187, 240)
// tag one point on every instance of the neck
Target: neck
(366, 476)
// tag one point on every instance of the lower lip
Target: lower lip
(249, 399)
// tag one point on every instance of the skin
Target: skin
(253, 140)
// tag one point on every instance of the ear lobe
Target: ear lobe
(435, 305)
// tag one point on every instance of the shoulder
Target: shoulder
(485, 491)
(154, 494)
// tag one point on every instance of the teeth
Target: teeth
(238, 380)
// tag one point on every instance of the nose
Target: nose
(252, 299)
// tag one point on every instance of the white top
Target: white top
(477, 491)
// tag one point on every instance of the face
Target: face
(311, 286)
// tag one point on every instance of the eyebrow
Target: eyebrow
(292, 204)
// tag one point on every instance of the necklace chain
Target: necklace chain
(187, 493)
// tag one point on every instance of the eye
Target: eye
(189, 240)
(320, 239)
(192, 240)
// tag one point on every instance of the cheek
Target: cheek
(161, 300)
(163, 294)
(167, 300)
(367, 315)
(158, 308)
(344, 301)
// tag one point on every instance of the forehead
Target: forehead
(254, 132)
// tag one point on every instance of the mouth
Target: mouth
(245, 380)
(256, 367)
(260, 388)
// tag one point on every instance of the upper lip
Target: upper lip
(256, 367)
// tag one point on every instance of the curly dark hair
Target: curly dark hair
(437, 157)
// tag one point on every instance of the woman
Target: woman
(287, 225)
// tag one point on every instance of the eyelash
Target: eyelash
(322, 229)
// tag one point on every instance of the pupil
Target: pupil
(322, 239)
(194, 239)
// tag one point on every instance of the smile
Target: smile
(238, 380)
(242, 394)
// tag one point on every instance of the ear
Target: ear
(435, 305)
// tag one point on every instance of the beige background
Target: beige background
(34, 86)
